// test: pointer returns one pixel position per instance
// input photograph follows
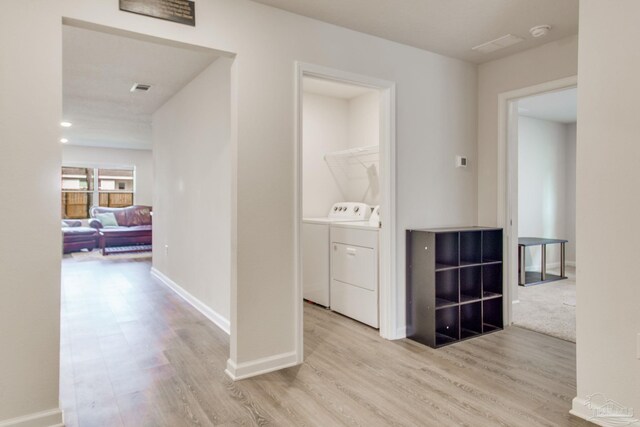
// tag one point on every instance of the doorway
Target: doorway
(508, 180)
(345, 170)
(159, 133)
(546, 213)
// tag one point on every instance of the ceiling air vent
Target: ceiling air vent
(497, 44)
(140, 87)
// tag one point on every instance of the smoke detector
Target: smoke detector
(540, 30)
(140, 87)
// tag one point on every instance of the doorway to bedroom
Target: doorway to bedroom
(544, 203)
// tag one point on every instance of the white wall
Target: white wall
(94, 156)
(364, 130)
(325, 127)
(192, 197)
(544, 202)
(364, 120)
(30, 242)
(436, 119)
(548, 62)
(334, 124)
(608, 295)
(570, 212)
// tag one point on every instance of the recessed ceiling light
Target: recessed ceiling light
(64, 140)
(65, 124)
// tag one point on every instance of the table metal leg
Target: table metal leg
(562, 260)
(543, 257)
(521, 265)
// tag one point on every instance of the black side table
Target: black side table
(528, 278)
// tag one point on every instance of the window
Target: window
(77, 192)
(83, 188)
(115, 187)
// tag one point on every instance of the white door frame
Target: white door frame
(508, 179)
(387, 277)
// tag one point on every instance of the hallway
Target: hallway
(135, 354)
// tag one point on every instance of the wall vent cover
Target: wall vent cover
(140, 87)
(497, 44)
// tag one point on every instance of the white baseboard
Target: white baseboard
(580, 408)
(257, 367)
(401, 333)
(207, 311)
(50, 418)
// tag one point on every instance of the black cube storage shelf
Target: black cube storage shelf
(454, 284)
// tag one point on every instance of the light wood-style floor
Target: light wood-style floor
(135, 354)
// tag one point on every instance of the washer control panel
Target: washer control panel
(350, 211)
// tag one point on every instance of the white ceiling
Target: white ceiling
(559, 106)
(98, 71)
(333, 89)
(448, 27)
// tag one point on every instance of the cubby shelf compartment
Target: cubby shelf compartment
(447, 251)
(447, 288)
(492, 246)
(470, 284)
(470, 320)
(492, 279)
(447, 329)
(454, 284)
(491, 315)
(470, 247)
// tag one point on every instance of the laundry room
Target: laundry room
(341, 198)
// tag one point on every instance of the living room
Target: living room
(100, 186)
(112, 88)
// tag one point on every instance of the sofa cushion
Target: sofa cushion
(129, 216)
(108, 219)
(79, 231)
(140, 215)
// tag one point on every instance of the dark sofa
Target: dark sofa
(75, 237)
(134, 227)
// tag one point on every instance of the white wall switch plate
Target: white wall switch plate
(461, 162)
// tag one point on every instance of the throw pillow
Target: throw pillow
(107, 219)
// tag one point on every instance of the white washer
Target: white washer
(315, 249)
(354, 269)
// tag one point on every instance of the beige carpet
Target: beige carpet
(97, 254)
(549, 308)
